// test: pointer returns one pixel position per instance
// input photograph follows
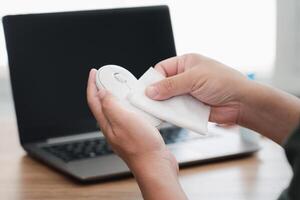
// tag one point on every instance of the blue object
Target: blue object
(251, 76)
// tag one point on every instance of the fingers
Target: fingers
(172, 86)
(105, 107)
(95, 104)
(92, 90)
(178, 81)
(113, 110)
(171, 66)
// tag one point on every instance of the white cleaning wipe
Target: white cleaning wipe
(184, 111)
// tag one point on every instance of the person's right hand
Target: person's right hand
(211, 82)
(233, 98)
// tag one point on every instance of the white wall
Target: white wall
(240, 33)
(287, 65)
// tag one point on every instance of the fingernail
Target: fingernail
(101, 93)
(151, 92)
(93, 69)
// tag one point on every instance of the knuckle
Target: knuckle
(106, 103)
(168, 85)
(105, 128)
(90, 101)
(191, 55)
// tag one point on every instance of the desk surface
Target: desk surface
(261, 176)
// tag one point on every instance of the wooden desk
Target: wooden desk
(262, 176)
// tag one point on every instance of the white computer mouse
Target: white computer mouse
(120, 82)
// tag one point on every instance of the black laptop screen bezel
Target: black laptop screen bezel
(30, 131)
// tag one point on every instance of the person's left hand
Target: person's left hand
(133, 138)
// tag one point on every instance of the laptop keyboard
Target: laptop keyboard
(98, 147)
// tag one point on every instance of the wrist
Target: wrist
(249, 101)
(269, 111)
(157, 175)
(150, 163)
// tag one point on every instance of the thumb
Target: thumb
(172, 86)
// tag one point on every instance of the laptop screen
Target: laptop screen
(50, 56)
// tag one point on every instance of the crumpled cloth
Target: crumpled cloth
(184, 111)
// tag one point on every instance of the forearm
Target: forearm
(157, 179)
(271, 112)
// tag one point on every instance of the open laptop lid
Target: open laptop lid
(51, 54)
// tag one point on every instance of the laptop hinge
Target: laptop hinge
(84, 136)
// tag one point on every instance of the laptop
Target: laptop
(50, 56)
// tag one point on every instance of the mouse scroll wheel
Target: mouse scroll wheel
(121, 78)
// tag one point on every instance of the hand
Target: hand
(233, 98)
(209, 81)
(138, 143)
(130, 136)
